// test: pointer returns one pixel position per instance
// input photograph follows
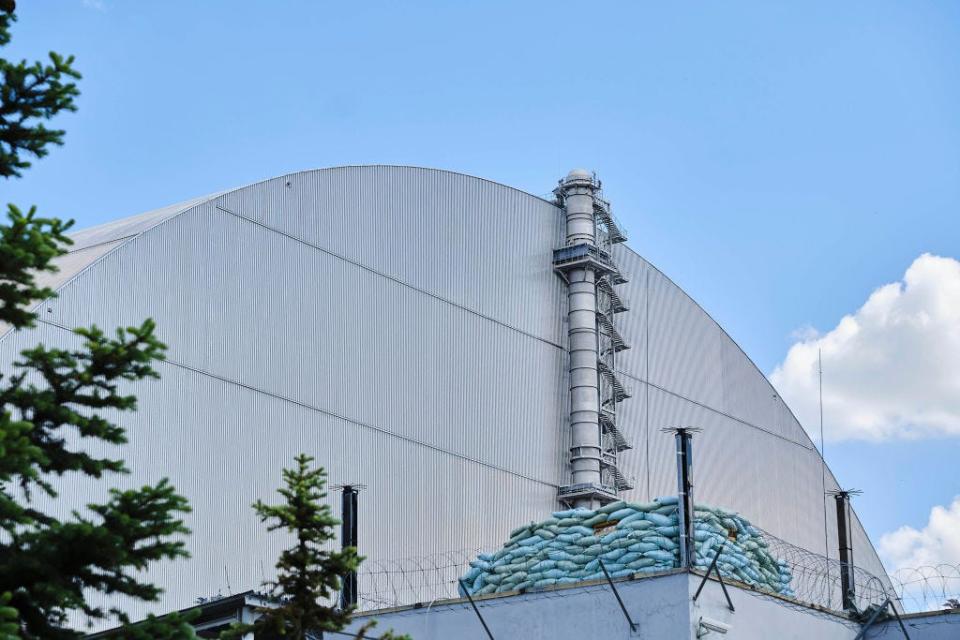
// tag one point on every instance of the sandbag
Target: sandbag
(564, 549)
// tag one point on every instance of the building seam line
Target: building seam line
(336, 415)
(391, 278)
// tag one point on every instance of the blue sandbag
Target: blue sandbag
(656, 519)
(612, 555)
(636, 515)
(622, 513)
(613, 536)
(660, 555)
(641, 563)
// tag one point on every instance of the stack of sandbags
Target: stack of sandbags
(627, 538)
(745, 555)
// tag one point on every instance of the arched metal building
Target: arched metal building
(409, 329)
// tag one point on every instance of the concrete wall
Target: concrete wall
(938, 625)
(659, 605)
(662, 606)
(762, 617)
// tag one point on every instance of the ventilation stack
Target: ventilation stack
(586, 265)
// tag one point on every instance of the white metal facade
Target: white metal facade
(405, 326)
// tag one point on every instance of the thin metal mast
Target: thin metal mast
(823, 464)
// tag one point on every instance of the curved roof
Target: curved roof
(92, 243)
(684, 345)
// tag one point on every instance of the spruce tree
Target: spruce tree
(55, 401)
(308, 573)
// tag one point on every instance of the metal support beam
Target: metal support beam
(348, 538)
(633, 625)
(886, 607)
(475, 610)
(713, 567)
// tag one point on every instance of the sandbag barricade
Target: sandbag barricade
(628, 538)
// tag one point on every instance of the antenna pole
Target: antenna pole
(823, 464)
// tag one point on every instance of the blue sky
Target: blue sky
(780, 161)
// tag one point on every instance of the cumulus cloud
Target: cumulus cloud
(937, 543)
(891, 369)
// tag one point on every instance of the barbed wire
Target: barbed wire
(815, 580)
(928, 588)
(395, 583)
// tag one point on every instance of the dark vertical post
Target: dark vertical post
(685, 495)
(348, 538)
(847, 584)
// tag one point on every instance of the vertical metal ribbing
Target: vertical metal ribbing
(578, 193)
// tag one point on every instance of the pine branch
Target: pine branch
(29, 94)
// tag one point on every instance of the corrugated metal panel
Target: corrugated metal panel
(752, 456)
(430, 371)
(406, 328)
(684, 345)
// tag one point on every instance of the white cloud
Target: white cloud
(95, 4)
(937, 543)
(892, 368)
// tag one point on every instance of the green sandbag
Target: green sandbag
(597, 519)
(613, 506)
(521, 531)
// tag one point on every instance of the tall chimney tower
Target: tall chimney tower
(585, 264)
